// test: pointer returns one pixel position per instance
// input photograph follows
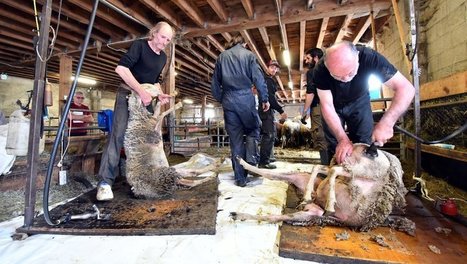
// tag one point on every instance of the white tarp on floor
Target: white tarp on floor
(234, 242)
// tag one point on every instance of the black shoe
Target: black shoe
(272, 160)
(240, 183)
(268, 166)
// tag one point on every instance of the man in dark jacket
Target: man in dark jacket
(268, 127)
(236, 71)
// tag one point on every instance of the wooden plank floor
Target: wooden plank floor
(188, 211)
(320, 244)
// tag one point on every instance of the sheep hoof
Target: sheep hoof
(302, 205)
(329, 214)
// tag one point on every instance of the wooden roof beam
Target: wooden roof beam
(168, 15)
(343, 29)
(249, 9)
(322, 32)
(294, 12)
(219, 9)
(121, 23)
(227, 36)
(300, 58)
(204, 48)
(216, 43)
(267, 42)
(191, 11)
(362, 27)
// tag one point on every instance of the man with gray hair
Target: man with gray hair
(143, 63)
(342, 82)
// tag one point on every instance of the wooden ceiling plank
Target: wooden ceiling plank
(301, 51)
(227, 36)
(294, 12)
(215, 43)
(201, 58)
(219, 9)
(141, 18)
(361, 29)
(205, 49)
(343, 28)
(168, 15)
(194, 61)
(121, 23)
(322, 32)
(249, 9)
(191, 11)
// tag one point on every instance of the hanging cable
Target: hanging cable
(455, 133)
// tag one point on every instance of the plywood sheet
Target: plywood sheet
(320, 243)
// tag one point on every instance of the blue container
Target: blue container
(104, 120)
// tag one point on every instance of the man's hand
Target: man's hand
(382, 133)
(164, 98)
(343, 150)
(284, 116)
(145, 97)
(266, 106)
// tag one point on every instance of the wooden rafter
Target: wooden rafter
(343, 29)
(249, 9)
(292, 14)
(219, 9)
(168, 14)
(192, 11)
(300, 58)
(227, 36)
(322, 32)
(216, 43)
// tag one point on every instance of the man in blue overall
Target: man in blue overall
(236, 71)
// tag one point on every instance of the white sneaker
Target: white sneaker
(104, 192)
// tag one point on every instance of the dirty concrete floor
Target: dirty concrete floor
(12, 201)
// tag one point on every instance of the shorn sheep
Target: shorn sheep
(148, 171)
(360, 193)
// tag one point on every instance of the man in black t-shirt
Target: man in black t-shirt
(312, 56)
(342, 82)
(143, 63)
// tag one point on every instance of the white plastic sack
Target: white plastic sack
(6, 161)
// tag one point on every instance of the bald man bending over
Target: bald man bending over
(342, 81)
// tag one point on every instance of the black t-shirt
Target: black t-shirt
(311, 88)
(145, 65)
(371, 62)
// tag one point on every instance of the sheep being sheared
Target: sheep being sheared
(148, 170)
(363, 196)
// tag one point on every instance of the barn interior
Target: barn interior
(45, 44)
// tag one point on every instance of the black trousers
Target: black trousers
(358, 118)
(268, 129)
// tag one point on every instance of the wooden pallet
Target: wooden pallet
(320, 243)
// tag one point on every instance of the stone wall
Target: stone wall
(442, 39)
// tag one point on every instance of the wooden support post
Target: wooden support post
(401, 30)
(203, 110)
(66, 68)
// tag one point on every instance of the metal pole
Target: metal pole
(36, 115)
(65, 114)
(416, 84)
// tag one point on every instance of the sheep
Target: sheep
(148, 171)
(368, 189)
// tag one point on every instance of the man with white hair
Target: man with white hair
(143, 63)
(342, 82)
